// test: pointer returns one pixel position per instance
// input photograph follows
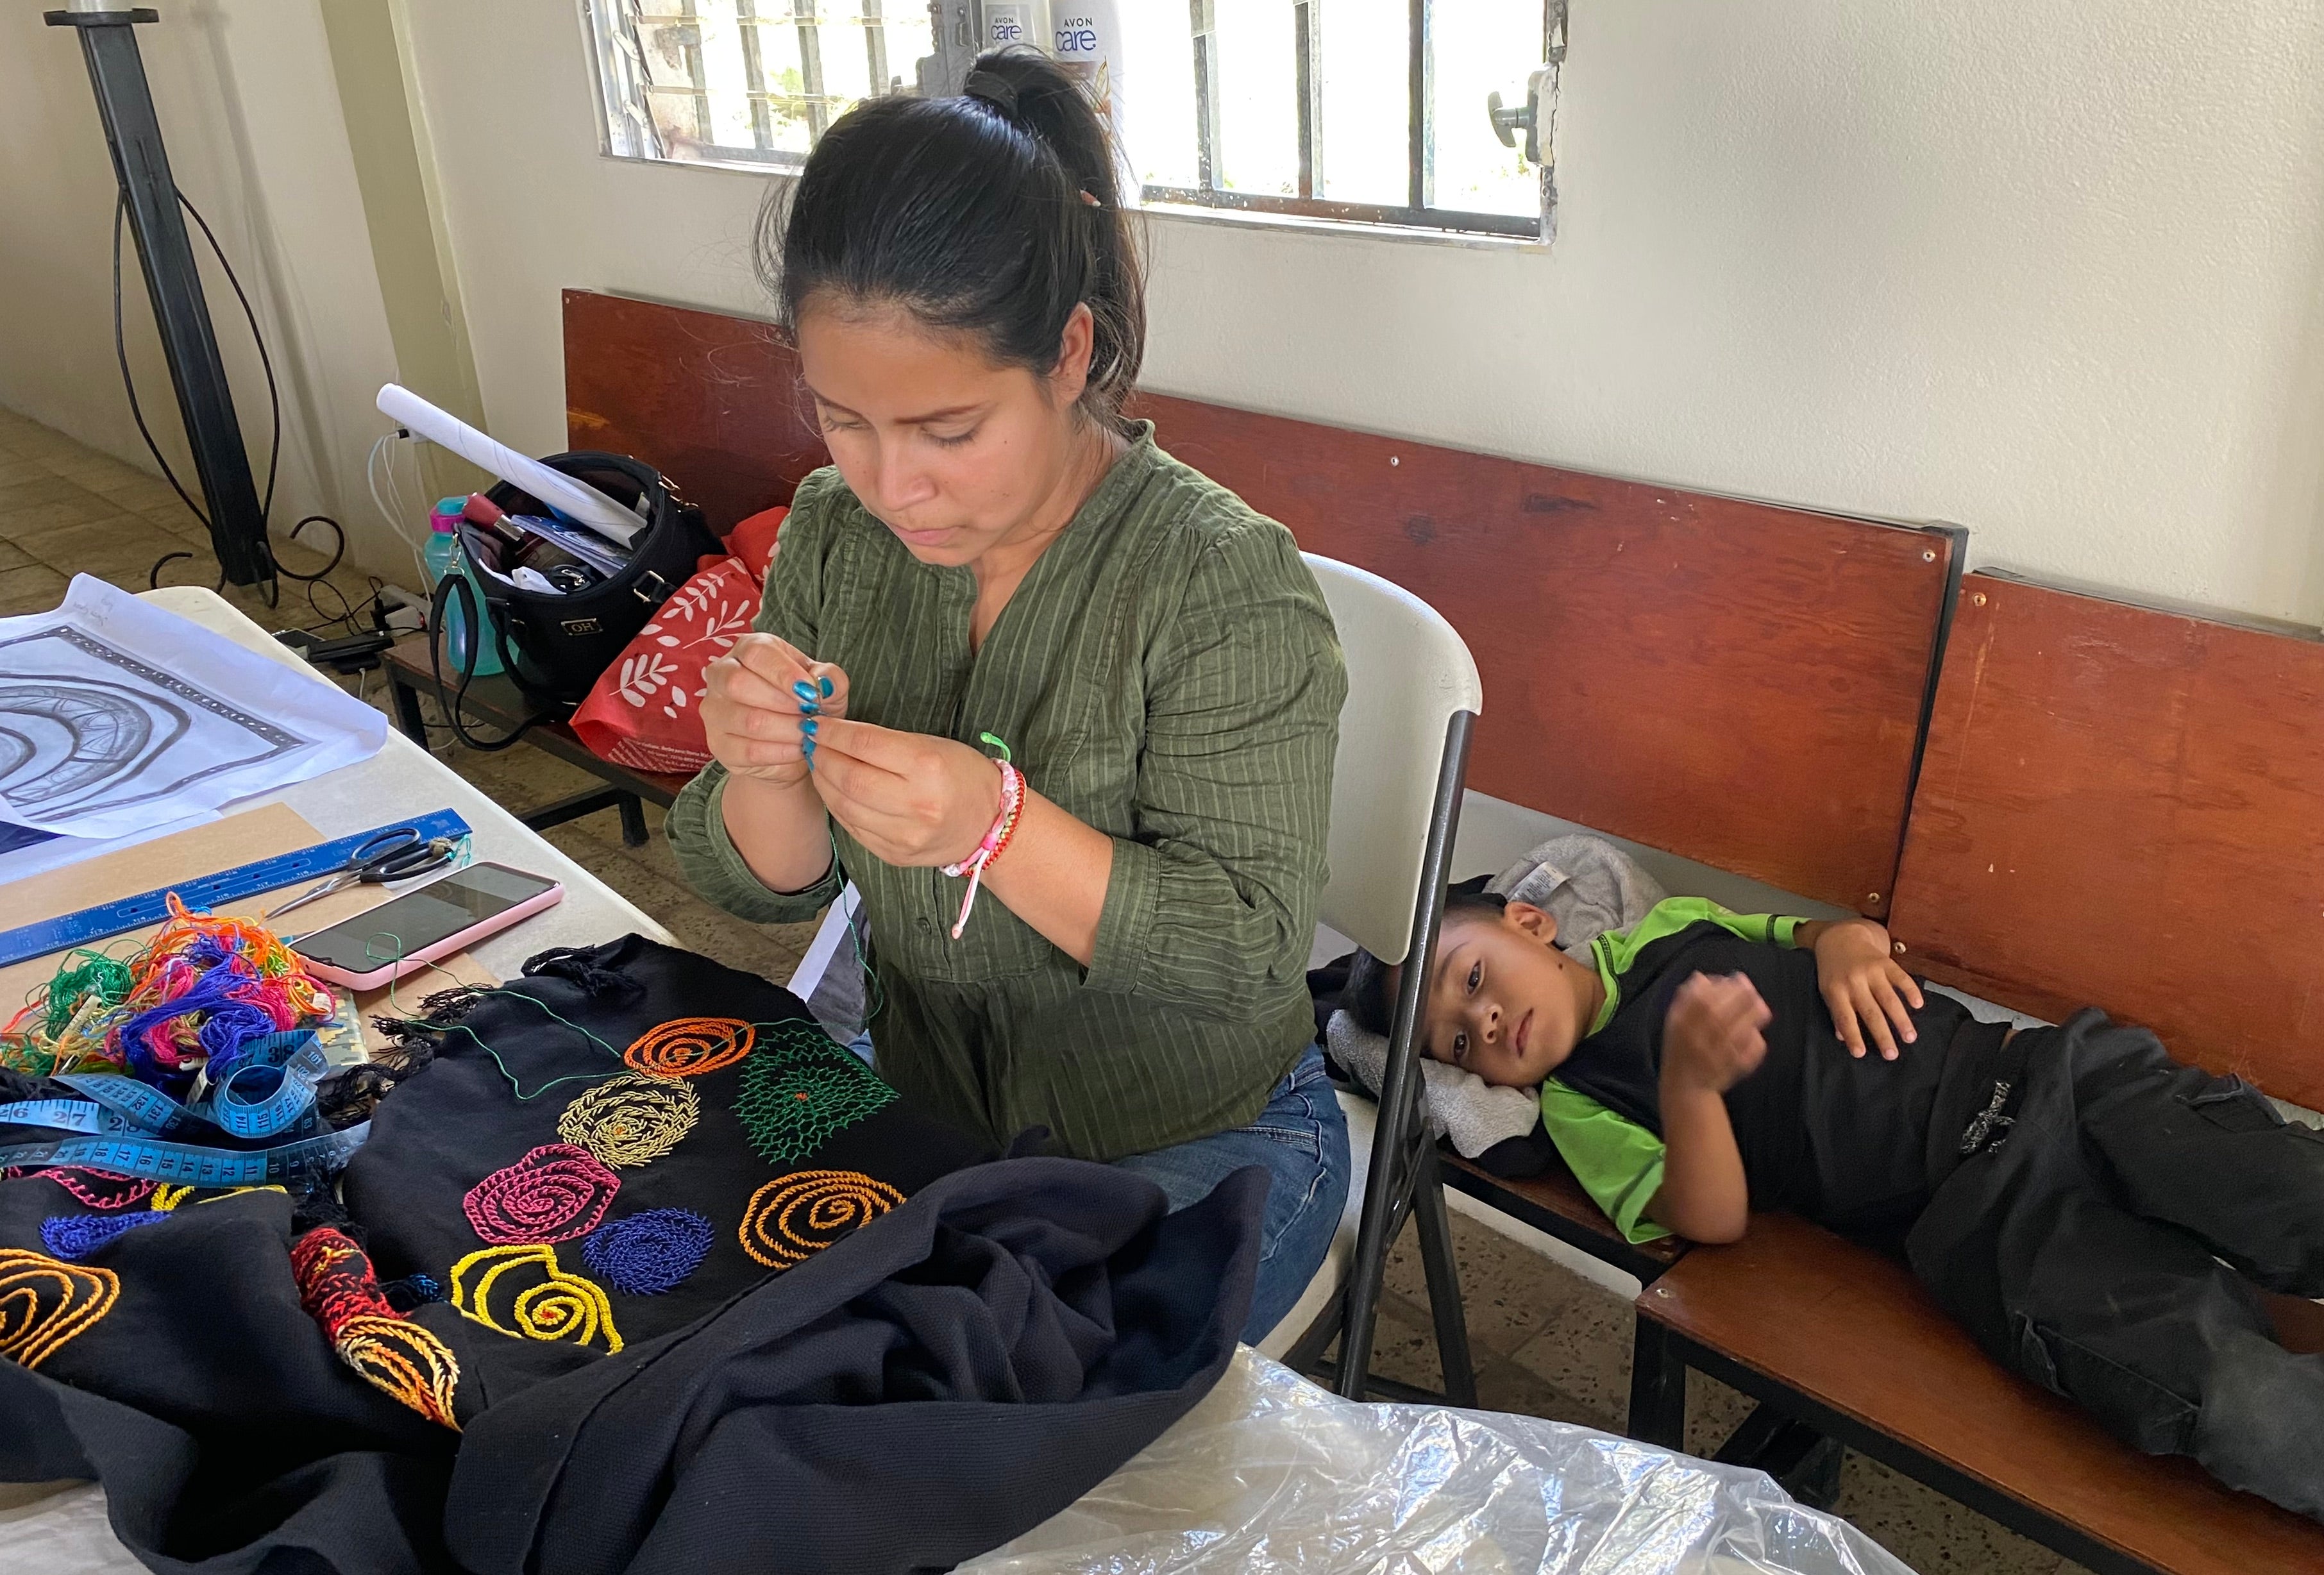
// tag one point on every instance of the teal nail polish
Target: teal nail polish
(809, 708)
(827, 690)
(803, 690)
(808, 728)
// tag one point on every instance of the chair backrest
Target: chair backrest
(1408, 676)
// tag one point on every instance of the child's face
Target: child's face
(1505, 1003)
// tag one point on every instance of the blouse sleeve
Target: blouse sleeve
(1212, 902)
(696, 826)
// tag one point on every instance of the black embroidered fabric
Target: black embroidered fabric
(919, 1389)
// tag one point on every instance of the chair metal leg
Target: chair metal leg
(1658, 1388)
(633, 820)
(1400, 1133)
(408, 717)
(1444, 1286)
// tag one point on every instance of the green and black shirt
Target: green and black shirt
(1167, 672)
(1839, 1139)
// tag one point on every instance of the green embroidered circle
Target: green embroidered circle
(800, 1090)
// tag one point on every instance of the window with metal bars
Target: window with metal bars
(746, 81)
(1431, 115)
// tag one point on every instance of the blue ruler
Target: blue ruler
(208, 892)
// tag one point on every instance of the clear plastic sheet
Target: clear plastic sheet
(1272, 1474)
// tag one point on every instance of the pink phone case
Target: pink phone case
(441, 949)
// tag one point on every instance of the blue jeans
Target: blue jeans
(1301, 1139)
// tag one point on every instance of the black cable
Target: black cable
(275, 441)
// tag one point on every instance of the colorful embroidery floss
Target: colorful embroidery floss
(554, 1193)
(792, 1218)
(401, 1358)
(650, 1253)
(44, 1303)
(690, 1046)
(799, 1092)
(632, 1119)
(76, 1236)
(558, 1307)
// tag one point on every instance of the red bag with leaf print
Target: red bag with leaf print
(644, 711)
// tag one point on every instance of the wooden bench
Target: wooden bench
(2118, 804)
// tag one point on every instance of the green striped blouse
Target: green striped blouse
(1167, 672)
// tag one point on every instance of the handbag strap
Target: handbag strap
(456, 584)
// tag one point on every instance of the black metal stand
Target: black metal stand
(133, 133)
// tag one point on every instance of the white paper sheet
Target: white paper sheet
(116, 717)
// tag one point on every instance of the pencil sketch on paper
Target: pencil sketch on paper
(88, 728)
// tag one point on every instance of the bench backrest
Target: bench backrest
(2123, 806)
(1740, 683)
(713, 400)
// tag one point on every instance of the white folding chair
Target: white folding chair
(1413, 698)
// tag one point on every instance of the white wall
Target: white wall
(2049, 271)
(250, 115)
(2052, 271)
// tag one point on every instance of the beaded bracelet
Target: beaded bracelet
(1004, 826)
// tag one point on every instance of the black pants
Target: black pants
(2084, 1249)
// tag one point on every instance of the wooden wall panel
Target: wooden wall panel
(1737, 682)
(2124, 807)
(713, 400)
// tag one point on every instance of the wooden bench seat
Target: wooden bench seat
(1849, 1341)
(1553, 1204)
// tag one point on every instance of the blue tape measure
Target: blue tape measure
(208, 892)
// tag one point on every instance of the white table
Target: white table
(404, 779)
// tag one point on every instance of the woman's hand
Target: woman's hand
(1710, 1036)
(912, 800)
(1864, 986)
(754, 713)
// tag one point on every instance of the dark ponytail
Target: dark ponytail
(994, 213)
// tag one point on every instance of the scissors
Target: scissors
(393, 855)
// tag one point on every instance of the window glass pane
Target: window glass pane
(1157, 94)
(1367, 75)
(722, 74)
(1259, 126)
(909, 37)
(1482, 47)
(785, 74)
(846, 68)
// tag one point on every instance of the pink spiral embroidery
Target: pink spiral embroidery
(554, 1193)
(101, 1191)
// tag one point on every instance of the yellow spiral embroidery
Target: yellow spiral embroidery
(794, 1217)
(405, 1359)
(632, 1119)
(561, 1306)
(45, 1303)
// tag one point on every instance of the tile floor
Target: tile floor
(1548, 1343)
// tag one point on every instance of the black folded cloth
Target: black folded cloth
(922, 1390)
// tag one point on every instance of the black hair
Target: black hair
(1364, 997)
(995, 214)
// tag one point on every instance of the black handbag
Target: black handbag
(554, 647)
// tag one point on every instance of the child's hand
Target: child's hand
(1864, 988)
(1710, 1037)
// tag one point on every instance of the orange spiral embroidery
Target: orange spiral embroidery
(690, 1046)
(405, 1359)
(45, 1303)
(341, 1294)
(794, 1217)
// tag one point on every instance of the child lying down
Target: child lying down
(2068, 1194)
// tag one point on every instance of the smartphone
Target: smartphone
(407, 933)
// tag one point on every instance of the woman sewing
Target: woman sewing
(1063, 709)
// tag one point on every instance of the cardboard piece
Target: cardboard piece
(204, 850)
